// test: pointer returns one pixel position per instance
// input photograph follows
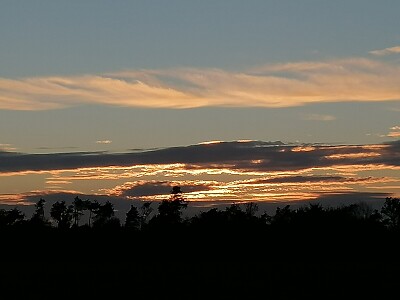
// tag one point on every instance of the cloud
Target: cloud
(393, 133)
(7, 147)
(318, 117)
(276, 85)
(142, 188)
(230, 156)
(104, 142)
(299, 179)
(219, 172)
(386, 51)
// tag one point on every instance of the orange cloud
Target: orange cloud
(393, 133)
(278, 85)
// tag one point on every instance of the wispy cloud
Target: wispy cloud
(318, 117)
(7, 147)
(276, 85)
(386, 51)
(393, 133)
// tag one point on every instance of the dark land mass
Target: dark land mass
(232, 254)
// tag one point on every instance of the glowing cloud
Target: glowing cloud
(7, 147)
(214, 172)
(394, 133)
(386, 51)
(277, 85)
(104, 142)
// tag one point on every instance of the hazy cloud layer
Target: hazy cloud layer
(276, 85)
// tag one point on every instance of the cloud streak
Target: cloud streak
(318, 117)
(386, 51)
(276, 85)
(394, 132)
(7, 147)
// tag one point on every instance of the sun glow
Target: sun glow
(210, 142)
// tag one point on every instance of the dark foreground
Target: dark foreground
(189, 264)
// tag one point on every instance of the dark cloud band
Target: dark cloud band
(252, 156)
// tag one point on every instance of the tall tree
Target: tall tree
(104, 216)
(38, 217)
(251, 209)
(145, 212)
(92, 207)
(62, 214)
(391, 212)
(78, 208)
(132, 220)
(170, 211)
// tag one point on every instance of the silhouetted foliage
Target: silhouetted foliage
(170, 211)
(145, 212)
(104, 216)
(303, 244)
(282, 217)
(78, 208)
(251, 208)
(62, 214)
(391, 212)
(92, 207)
(11, 217)
(38, 217)
(133, 219)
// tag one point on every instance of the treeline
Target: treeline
(237, 252)
(168, 216)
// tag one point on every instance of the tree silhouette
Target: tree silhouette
(133, 219)
(104, 216)
(176, 194)
(251, 208)
(92, 207)
(11, 217)
(78, 208)
(145, 211)
(170, 211)
(283, 216)
(391, 212)
(62, 214)
(38, 217)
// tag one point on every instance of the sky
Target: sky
(234, 101)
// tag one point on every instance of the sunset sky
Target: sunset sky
(268, 101)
